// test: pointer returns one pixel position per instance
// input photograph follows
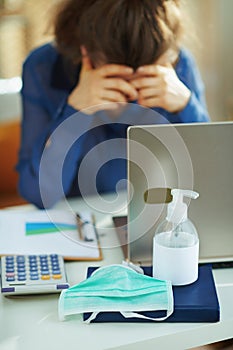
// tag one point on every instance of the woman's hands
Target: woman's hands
(102, 88)
(159, 86)
(155, 85)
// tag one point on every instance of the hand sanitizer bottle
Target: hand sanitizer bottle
(176, 243)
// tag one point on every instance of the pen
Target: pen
(79, 226)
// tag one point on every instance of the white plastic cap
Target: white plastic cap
(177, 210)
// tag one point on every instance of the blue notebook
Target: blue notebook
(197, 302)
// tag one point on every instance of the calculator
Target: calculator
(33, 274)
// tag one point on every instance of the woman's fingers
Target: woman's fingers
(159, 86)
(112, 96)
(122, 86)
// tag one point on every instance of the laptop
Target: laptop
(196, 156)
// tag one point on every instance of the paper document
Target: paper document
(49, 231)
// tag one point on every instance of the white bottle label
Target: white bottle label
(178, 265)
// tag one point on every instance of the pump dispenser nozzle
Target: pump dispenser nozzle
(177, 209)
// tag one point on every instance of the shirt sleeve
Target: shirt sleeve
(38, 181)
(196, 109)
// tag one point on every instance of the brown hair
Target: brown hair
(131, 32)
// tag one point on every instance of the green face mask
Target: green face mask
(117, 288)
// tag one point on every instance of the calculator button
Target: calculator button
(54, 262)
(55, 265)
(56, 268)
(22, 273)
(20, 259)
(10, 264)
(34, 277)
(20, 264)
(10, 279)
(43, 258)
(9, 258)
(32, 273)
(22, 278)
(43, 261)
(53, 256)
(21, 269)
(45, 272)
(32, 258)
(44, 268)
(57, 277)
(10, 274)
(33, 268)
(45, 277)
(10, 269)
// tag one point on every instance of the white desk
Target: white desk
(32, 322)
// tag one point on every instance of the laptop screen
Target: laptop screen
(186, 156)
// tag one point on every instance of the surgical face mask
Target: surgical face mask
(117, 288)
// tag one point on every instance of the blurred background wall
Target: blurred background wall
(213, 49)
(23, 24)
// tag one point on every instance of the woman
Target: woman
(105, 55)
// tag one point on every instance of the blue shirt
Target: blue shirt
(48, 79)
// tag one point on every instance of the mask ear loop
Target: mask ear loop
(91, 318)
(128, 314)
